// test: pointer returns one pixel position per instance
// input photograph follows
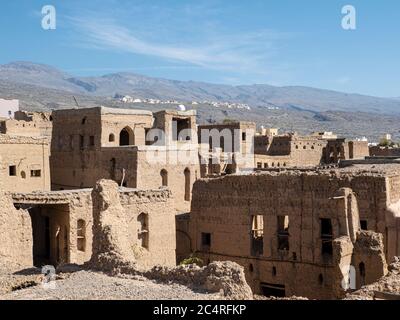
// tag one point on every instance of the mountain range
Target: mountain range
(295, 108)
(297, 97)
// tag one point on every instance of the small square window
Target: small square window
(12, 171)
(364, 224)
(36, 173)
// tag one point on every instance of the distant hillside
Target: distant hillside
(298, 98)
(40, 87)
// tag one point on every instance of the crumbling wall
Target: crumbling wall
(390, 283)
(15, 234)
(110, 235)
(223, 209)
(131, 228)
(369, 257)
(225, 277)
(24, 163)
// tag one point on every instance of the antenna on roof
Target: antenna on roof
(76, 101)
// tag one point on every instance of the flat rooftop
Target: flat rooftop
(373, 169)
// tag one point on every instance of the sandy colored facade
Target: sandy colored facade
(295, 232)
(57, 227)
(24, 164)
(378, 151)
(95, 143)
(293, 150)
(28, 124)
(226, 148)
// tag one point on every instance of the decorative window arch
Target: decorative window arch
(126, 137)
(164, 178)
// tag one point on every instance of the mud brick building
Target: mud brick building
(297, 232)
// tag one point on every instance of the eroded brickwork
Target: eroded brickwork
(294, 231)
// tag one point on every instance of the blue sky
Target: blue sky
(278, 42)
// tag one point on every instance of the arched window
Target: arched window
(23, 175)
(164, 178)
(84, 120)
(187, 184)
(126, 137)
(143, 232)
(81, 235)
(111, 137)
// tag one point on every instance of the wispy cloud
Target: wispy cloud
(244, 52)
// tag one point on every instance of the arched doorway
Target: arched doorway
(126, 137)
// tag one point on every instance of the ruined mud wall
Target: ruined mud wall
(131, 226)
(26, 155)
(224, 208)
(180, 176)
(145, 217)
(223, 277)
(15, 235)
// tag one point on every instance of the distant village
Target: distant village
(229, 105)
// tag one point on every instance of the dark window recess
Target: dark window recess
(36, 173)
(177, 126)
(243, 136)
(257, 235)
(326, 239)
(273, 290)
(361, 268)
(364, 224)
(12, 171)
(81, 141)
(91, 141)
(283, 233)
(206, 240)
(321, 279)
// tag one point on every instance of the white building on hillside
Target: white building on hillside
(8, 108)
